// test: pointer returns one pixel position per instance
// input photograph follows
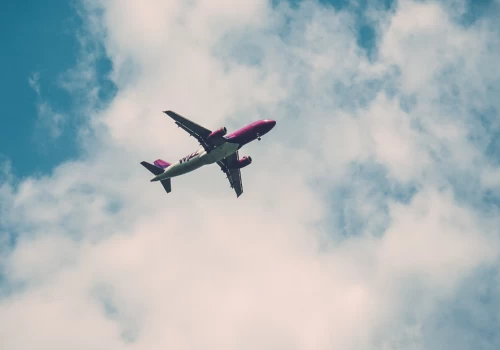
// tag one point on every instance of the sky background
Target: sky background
(370, 214)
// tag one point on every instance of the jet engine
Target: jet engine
(218, 133)
(243, 162)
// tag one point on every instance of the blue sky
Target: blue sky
(40, 40)
(387, 134)
(36, 39)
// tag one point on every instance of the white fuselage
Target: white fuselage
(198, 159)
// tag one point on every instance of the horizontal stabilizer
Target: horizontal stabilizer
(167, 185)
(152, 168)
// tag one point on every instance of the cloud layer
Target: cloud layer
(365, 210)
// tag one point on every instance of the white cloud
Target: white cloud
(34, 82)
(105, 259)
(48, 119)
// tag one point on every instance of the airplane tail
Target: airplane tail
(157, 169)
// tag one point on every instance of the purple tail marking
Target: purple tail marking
(161, 163)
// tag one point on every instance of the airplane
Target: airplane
(217, 147)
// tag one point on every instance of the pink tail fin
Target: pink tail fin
(161, 163)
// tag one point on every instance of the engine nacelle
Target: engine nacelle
(243, 162)
(218, 133)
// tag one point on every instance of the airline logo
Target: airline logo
(185, 159)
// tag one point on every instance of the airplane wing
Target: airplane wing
(197, 131)
(233, 175)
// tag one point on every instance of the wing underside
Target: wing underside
(197, 131)
(232, 174)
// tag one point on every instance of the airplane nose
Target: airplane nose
(266, 125)
(271, 123)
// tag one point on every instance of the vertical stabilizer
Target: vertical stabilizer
(161, 163)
